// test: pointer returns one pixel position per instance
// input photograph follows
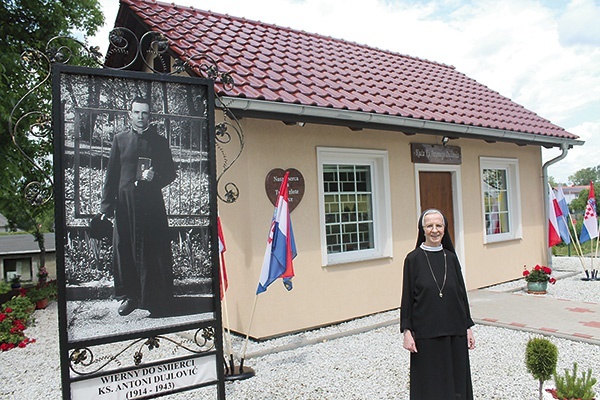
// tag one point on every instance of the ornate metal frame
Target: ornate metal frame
(123, 42)
(84, 357)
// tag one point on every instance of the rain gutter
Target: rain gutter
(565, 150)
(313, 114)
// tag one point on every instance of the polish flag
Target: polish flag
(553, 235)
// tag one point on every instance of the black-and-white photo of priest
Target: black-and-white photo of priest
(139, 167)
(136, 194)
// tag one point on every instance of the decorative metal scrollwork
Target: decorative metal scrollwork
(125, 50)
(224, 137)
(83, 361)
(37, 64)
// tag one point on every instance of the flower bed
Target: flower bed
(15, 316)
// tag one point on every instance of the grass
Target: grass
(587, 248)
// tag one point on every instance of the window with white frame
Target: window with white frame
(355, 204)
(501, 199)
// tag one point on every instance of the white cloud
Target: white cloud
(579, 24)
(580, 156)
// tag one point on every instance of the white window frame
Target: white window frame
(511, 166)
(382, 210)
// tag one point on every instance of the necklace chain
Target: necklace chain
(433, 275)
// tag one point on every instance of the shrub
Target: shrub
(43, 290)
(570, 386)
(541, 356)
(14, 318)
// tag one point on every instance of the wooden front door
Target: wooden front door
(436, 192)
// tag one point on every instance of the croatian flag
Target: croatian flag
(563, 227)
(223, 271)
(553, 210)
(281, 248)
(589, 230)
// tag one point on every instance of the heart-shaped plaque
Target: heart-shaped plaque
(295, 186)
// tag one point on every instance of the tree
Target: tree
(585, 175)
(541, 356)
(578, 205)
(30, 24)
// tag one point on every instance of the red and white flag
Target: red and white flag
(222, 270)
(553, 232)
(589, 229)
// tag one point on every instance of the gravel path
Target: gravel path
(361, 359)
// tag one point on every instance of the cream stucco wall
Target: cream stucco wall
(324, 295)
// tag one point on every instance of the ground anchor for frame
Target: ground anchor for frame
(591, 275)
(239, 372)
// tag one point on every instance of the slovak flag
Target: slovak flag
(563, 227)
(281, 248)
(589, 230)
(553, 210)
(223, 271)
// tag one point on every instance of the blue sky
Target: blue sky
(542, 54)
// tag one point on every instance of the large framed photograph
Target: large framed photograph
(137, 251)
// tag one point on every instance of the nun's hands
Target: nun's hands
(409, 342)
(470, 339)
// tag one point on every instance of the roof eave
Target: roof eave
(359, 119)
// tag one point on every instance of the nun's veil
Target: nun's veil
(446, 240)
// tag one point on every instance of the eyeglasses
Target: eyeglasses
(429, 227)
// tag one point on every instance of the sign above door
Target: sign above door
(435, 154)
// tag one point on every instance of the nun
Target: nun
(434, 315)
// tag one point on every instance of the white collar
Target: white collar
(431, 248)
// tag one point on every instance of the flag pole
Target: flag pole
(593, 256)
(577, 244)
(248, 334)
(227, 334)
(578, 248)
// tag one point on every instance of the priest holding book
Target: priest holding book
(139, 167)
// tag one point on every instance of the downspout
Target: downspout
(565, 150)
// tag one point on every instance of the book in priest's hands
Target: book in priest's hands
(144, 163)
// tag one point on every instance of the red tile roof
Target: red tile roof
(278, 64)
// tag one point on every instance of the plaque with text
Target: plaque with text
(295, 186)
(435, 154)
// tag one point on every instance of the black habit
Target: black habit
(440, 368)
(142, 259)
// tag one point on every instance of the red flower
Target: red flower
(525, 273)
(22, 344)
(8, 310)
(546, 270)
(552, 281)
(19, 325)
(2, 317)
(6, 346)
(537, 268)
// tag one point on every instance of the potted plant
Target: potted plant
(41, 294)
(42, 274)
(541, 356)
(537, 279)
(570, 387)
(15, 282)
